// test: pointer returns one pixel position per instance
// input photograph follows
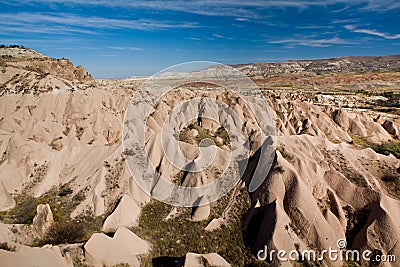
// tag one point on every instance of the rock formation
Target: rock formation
(202, 211)
(28, 256)
(123, 248)
(6, 200)
(26, 71)
(390, 127)
(126, 214)
(61, 137)
(43, 220)
(202, 260)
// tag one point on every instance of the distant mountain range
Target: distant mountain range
(361, 64)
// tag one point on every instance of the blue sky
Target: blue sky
(121, 38)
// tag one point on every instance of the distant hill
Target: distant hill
(360, 64)
(26, 71)
(19, 52)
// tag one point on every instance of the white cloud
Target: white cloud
(373, 32)
(311, 27)
(381, 5)
(312, 42)
(341, 21)
(222, 37)
(380, 34)
(242, 19)
(193, 38)
(61, 23)
(235, 8)
(125, 48)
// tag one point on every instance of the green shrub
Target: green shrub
(390, 178)
(6, 246)
(364, 92)
(388, 148)
(284, 154)
(221, 132)
(388, 94)
(24, 210)
(65, 233)
(64, 190)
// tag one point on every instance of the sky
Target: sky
(122, 38)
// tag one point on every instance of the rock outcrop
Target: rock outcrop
(297, 210)
(43, 221)
(202, 211)
(203, 260)
(19, 52)
(126, 214)
(123, 248)
(27, 256)
(6, 200)
(25, 71)
(390, 127)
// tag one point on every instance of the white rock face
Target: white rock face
(202, 260)
(126, 214)
(27, 256)
(43, 220)
(11, 177)
(202, 211)
(123, 248)
(6, 200)
(130, 240)
(215, 224)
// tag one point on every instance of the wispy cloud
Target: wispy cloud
(222, 37)
(233, 8)
(380, 5)
(312, 42)
(341, 21)
(311, 27)
(193, 38)
(61, 23)
(126, 48)
(45, 41)
(242, 19)
(373, 32)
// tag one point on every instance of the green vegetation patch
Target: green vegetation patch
(391, 182)
(185, 135)
(178, 236)
(7, 247)
(25, 208)
(388, 148)
(284, 154)
(65, 233)
(62, 203)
